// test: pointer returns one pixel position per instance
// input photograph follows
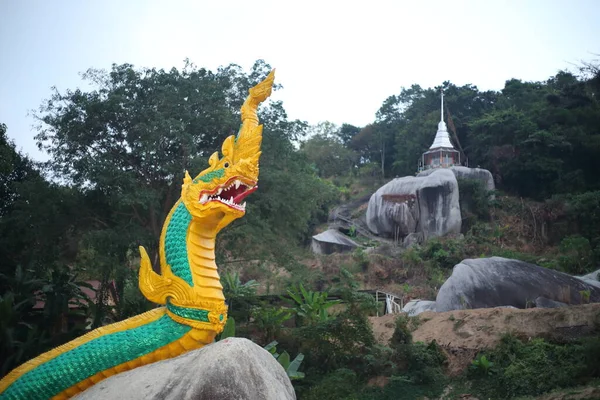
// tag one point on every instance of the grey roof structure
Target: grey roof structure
(335, 237)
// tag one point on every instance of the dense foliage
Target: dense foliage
(118, 155)
(517, 369)
(540, 140)
(537, 138)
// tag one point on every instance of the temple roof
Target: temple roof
(441, 137)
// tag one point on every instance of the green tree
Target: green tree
(325, 129)
(374, 144)
(347, 133)
(14, 168)
(537, 138)
(132, 137)
(329, 155)
(40, 222)
(124, 146)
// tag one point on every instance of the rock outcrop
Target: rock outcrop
(542, 302)
(416, 307)
(332, 241)
(427, 205)
(479, 174)
(593, 278)
(496, 281)
(412, 239)
(233, 368)
(393, 209)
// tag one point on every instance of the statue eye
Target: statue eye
(226, 165)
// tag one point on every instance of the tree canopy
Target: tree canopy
(119, 151)
(537, 138)
(118, 156)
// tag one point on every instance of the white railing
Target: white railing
(391, 305)
(444, 165)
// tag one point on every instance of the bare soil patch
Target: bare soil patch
(462, 334)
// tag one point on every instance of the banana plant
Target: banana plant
(233, 286)
(290, 367)
(240, 296)
(310, 306)
(269, 321)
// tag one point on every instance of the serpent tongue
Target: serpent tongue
(238, 199)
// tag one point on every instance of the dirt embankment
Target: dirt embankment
(462, 334)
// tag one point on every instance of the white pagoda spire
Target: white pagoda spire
(442, 109)
(442, 140)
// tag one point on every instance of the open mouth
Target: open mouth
(231, 194)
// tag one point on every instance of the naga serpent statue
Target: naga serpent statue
(194, 309)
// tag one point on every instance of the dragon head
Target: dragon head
(216, 195)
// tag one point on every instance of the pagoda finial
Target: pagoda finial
(441, 137)
(442, 111)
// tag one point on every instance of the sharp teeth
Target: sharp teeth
(231, 199)
(219, 191)
(244, 205)
(203, 199)
(237, 184)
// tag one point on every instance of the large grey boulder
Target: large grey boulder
(393, 209)
(231, 369)
(412, 239)
(438, 205)
(480, 174)
(542, 302)
(416, 307)
(497, 281)
(593, 278)
(427, 205)
(332, 241)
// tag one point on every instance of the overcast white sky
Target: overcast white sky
(337, 60)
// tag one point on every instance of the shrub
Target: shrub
(536, 367)
(341, 384)
(576, 256)
(412, 257)
(443, 253)
(361, 258)
(356, 302)
(379, 361)
(425, 363)
(584, 210)
(420, 363)
(340, 342)
(474, 200)
(269, 321)
(402, 334)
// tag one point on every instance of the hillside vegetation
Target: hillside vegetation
(118, 155)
